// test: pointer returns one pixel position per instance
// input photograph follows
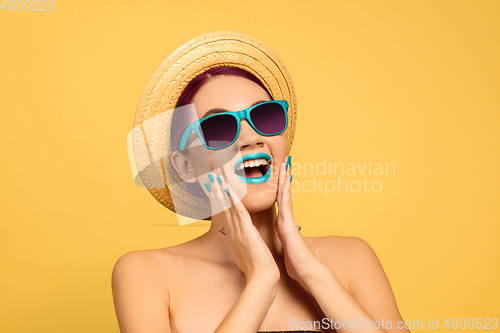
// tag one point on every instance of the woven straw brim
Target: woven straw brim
(221, 48)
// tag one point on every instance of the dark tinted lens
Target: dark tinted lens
(269, 118)
(219, 131)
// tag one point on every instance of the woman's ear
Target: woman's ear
(182, 165)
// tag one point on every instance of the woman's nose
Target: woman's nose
(248, 137)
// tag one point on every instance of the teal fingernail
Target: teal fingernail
(219, 180)
(291, 178)
(300, 228)
(289, 159)
(226, 192)
(222, 232)
(207, 185)
(286, 166)
(212, 178)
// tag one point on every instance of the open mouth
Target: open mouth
(253, 168)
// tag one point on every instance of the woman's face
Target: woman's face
(233, 93)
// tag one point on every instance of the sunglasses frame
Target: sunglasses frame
(238, 115)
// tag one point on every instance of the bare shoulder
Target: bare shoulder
(160, 268)
(151, 264)
(340, 246)
(139, 293)
(142, 262)
(142, 285)
(344, 255)
(353, 260)
(141, 272)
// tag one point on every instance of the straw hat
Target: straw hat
(151, 139)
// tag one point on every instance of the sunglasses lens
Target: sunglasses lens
(269, 118)
(219, 131)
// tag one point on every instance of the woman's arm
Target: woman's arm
(369, 297)
(141, 308)
(368, 304)
(140, 305)
(248, 313)
(252, 256)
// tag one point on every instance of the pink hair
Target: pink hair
(181, 119)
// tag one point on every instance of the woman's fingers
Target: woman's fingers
(287, 186)
(285, 222)
(232, 210)
(281, 183)
(225, 205)
(284, 191)
(211, 195)
(234, 215)
(280, 175)
(251, 254)
(240, 211)
(219, 200)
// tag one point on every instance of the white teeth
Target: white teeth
(252, 163)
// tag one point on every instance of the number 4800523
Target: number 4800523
(29, 5)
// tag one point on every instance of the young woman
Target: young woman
(252, 271)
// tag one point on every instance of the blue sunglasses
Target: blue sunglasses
(221, 130)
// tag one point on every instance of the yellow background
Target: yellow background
(414, 83)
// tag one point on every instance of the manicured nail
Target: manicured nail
(226, 192)
(286, 166)
(300, 228)
(289, 159)
(208, 187)
(212, 178)
(291, 178)
(222, 232)
(219, 180)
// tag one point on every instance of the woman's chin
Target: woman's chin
(257, 201)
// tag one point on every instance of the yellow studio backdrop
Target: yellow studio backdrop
(404, 95)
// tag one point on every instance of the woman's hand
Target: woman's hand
(251, 254)
(301, 263)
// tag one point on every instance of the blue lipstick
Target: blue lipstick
(255, 180)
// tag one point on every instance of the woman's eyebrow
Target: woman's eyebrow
(218, 110)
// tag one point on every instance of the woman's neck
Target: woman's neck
(264, 222)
